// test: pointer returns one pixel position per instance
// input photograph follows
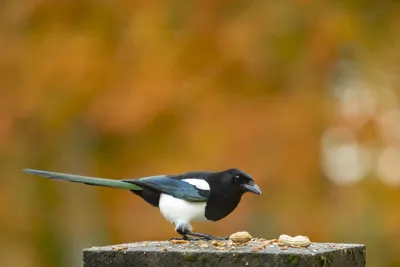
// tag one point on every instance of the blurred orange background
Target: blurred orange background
(303, 95)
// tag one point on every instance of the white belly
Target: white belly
(181, 212)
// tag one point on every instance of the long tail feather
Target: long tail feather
(84, 179)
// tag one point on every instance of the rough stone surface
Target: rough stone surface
(201, 253)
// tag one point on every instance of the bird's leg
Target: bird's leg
(205, 236)
(183, 232)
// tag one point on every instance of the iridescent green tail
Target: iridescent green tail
(84, 179)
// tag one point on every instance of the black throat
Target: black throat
(224, 197)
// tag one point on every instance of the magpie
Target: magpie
(181, 198)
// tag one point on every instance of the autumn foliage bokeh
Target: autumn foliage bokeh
(122, 89)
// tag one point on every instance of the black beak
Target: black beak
(252, 188)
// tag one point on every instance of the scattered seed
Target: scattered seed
(179, 241)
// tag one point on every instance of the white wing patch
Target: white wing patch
(198, 183)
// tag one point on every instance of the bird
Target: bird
(181, 198)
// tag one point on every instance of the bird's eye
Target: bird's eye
(236, 180)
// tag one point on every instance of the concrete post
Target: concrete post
(223, 254)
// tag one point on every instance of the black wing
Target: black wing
(191, 175)
(174, 187)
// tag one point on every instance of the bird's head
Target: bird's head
(244, 181)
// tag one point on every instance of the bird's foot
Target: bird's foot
(194, 236)
(206, 237)
(186, 238)
(202, 238)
